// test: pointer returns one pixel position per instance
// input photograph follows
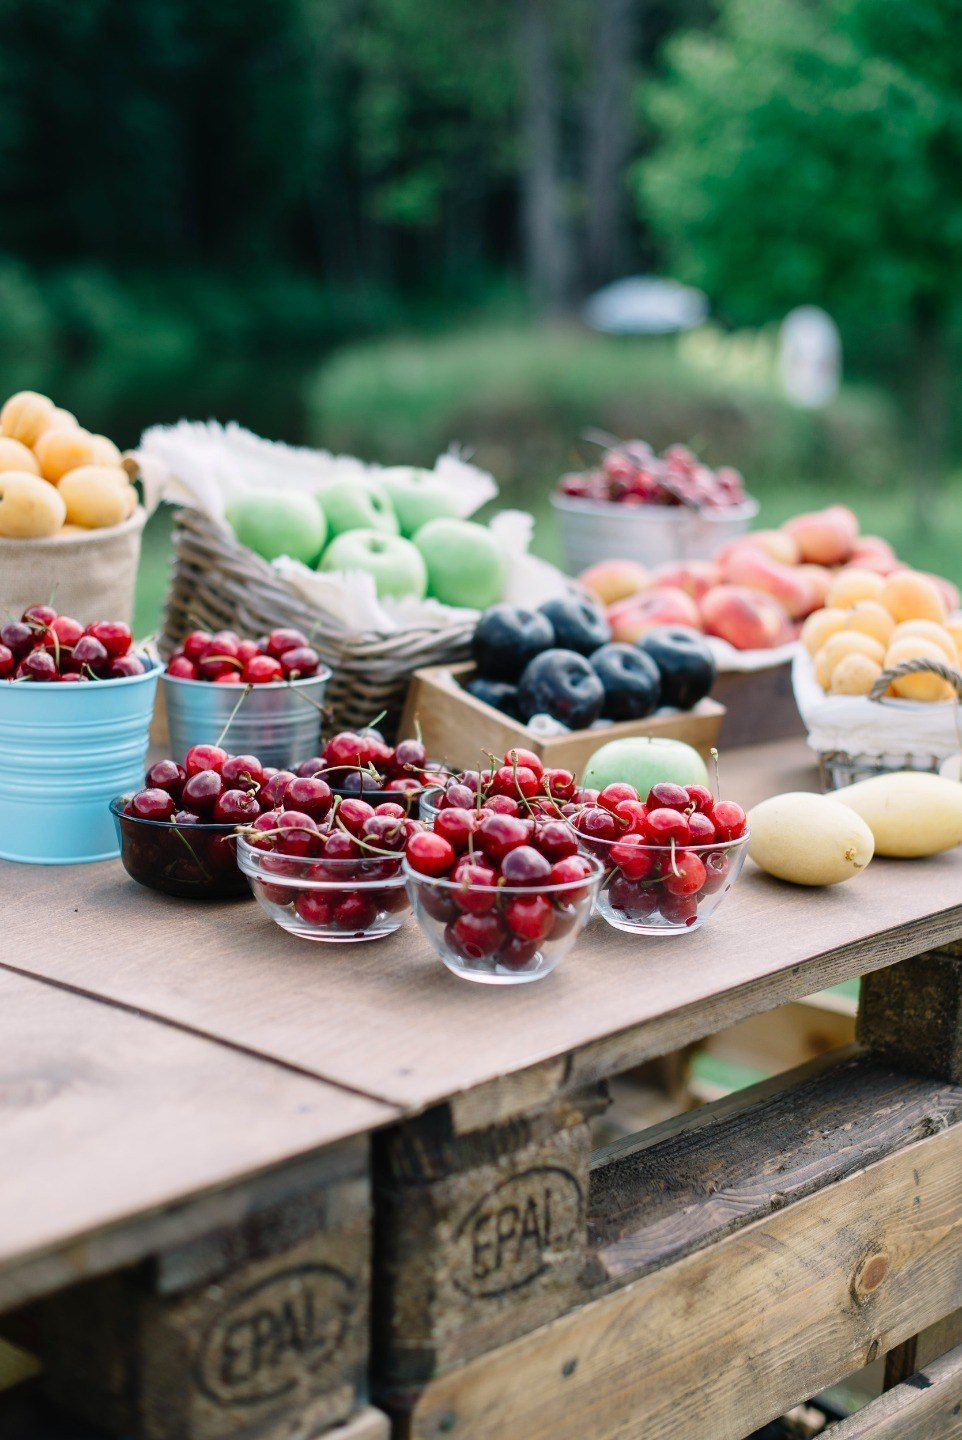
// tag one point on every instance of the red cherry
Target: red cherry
(312, 795)
(18, 638)
(566, 872)
(273, 788)
(246, 650)
(88, 654)
(497, 834)
(300, 663)
(122, 667)
(701, 829)
(437, 902)
(685, 875)
(204, 757)
(530, 916)
(186, 817)
(389, 807)
(637, 902)
(476, 884)
(299, 834)
(262, 670)
(200, 790)
(229, 677)
(219, 657)
(113, 635)
(517, 953)
(555, 839)
(598, 824)
(456, 826)
(386, 832)
(153, 805)
(195, 644)
(515, 782)
(613, 795)
(353, 813)
(404, 785)
(559, 784)
(700, 796)
(504, 805)
(679, 909)
(476, 936)
(315, 907)
(664, 825)
(410, 754)
(73, 677)
(260, 835)
(634, 857)
(236, 807)
(345, 748)
(167, 775)
(526, 758)
(429, 854)
(356, 912)
(181, 668)
(716, 871)
(456, 797)
(729, 819)
(7, 662)
(39, 615)
(279, 641)
(525, 866)
(666, 796)
(242, 770)
(67, 631)
(632, 814)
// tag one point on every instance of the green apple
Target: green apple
(280, 522)
(357, 505)
(465, 564)
(643, 761)
(396, 564)
(417, 496)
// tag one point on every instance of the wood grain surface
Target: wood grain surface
(388, 1020)
(927, 1406)
(105, 1116)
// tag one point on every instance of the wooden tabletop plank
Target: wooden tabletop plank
(106, 1116)
(388, 1020)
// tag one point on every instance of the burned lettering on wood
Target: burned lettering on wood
(258, 1347)
(507, 1238)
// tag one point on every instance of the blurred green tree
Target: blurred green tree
(811, 153)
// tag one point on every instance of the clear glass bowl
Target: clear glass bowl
(502, 934)
(428, 805)
(194, 862)
(654, 902)
(340, 902)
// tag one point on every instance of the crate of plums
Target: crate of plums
(552, 681)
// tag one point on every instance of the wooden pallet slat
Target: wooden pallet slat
(926, 1406)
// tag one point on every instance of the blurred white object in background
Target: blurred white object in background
(645, 305)
(810, 357)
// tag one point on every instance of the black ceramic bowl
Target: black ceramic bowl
(194, 862)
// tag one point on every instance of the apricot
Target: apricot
(820, 626)
(924, 686)
(29, 508)
(852, 584)
(954, 627)
(105, 451)
(25, 416)
(836, 647)
(928, 630)
(61, 450)
(14, 456)
(95, 496)
(907, 595)
(60, 419)
(818, 578)
(873, 619)
(854, 675)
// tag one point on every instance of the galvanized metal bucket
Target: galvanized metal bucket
(277, 723)
(649, 534)
(65, 752)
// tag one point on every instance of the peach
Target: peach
(776, 544)
(29, 508)
(836, 647)
(14, 456)
(924, 686)
(25, 416)
(609, 580)
(747, 619)
(630, 619)
(948, 591)
(907, 595)
(820, 626)
(852, 584)
(61, 450)
(824, 537)
(695, 577)
(872, 619)
(819, 578)
(854, 675)
(759, 572)
(871, 552)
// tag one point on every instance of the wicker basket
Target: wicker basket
(839, 768)
(218, 583)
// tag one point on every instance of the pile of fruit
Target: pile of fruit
(561, 661)
(871, 623)
(518, 785)
(224, 658)
(55, 477)
(45, 646)
(756, 591)
(632, 474)
(402, 528)
(365, 764)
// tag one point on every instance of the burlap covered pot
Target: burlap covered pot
(89, 574)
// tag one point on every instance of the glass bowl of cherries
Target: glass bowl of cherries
(517, 784)
(335, 877)
(502, 898)
(669, 860)
(362, 763)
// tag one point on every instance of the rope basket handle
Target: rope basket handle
(916, 667)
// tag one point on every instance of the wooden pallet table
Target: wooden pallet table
(688, 1283)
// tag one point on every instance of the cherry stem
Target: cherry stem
(714, 760)
(233, 715)
(674, 868)
(190, 850)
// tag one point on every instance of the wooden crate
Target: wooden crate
(759, 706)
(462, 731)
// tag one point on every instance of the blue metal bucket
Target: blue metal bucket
(65, 752)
